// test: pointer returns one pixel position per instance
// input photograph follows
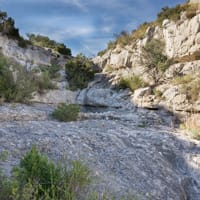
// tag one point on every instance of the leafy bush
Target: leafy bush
(123, 38)
(171, 13)
(5, 187)
(139, 33)
(53, 71)
(154, 59)
(38, 178)
(182, 79)
(43, 82)
(44, 41)
(18, 90)
(79, 71)
(132, 82)
(7, 26)
(65, 112)
(19, 84)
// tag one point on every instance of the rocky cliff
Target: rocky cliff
(181, 40)
(29, 56)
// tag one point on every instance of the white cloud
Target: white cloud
(107, 29)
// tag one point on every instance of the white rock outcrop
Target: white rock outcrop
(30, 56)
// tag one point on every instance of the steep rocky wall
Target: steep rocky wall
(30, 56)
(181, 38)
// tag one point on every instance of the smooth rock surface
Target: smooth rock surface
(131, 151)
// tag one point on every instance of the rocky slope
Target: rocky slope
(182, 43)
(29, 56)
(130, 151)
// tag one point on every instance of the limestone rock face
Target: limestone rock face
(181, 39)
(30, 56)
(182, 42)
(100, 93)
(55, 97)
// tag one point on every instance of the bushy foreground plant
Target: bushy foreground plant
(79, 71)
(38, 178)
(65, 112)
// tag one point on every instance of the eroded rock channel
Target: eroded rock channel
(131, 151)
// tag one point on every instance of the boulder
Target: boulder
(55, 97)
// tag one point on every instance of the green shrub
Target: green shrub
(101, 53)
(157, 93)
(38, 178)
(123, 38)
(53, 71)
(79, 71)
(139, 33)
(182, 79)
(65, 112)
(171, 13)
(19, 84)
(43, 82)
(132, 82)
(44, 41)
(5, 187)
(154, 59)
(18, 90)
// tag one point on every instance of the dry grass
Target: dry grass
(132, 82)
(192, 125)
(182, 79)
(188, 58)
(189, 85)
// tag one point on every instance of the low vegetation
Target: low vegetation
(186, 79)
(154, 59)
(132, 82)
(173, 14)
(38, 178)
(66, 113)
(17, 84)
(7, 27)
(189, 85)
(79, 71)
(191, 125)
(188, 58)
(44, 41)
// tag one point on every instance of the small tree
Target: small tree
(79, 71)
(154, 60)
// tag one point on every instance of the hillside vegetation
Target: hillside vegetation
(125, 38)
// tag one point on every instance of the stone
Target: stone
(170, 93)
(131, 151)
(55, 97)
(30, 56)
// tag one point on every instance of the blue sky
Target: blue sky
(83, 25)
